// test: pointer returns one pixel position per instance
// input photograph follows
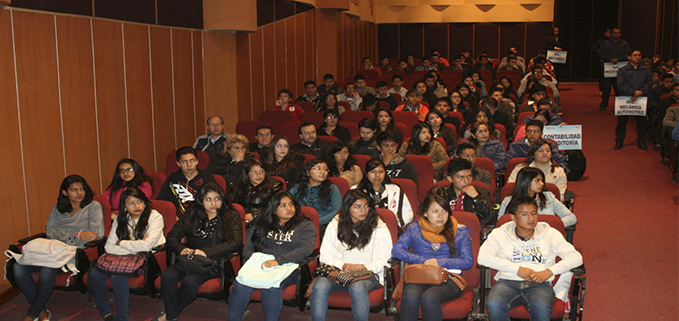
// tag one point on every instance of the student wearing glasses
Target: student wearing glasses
(315, 190)
(331, 126)
(128, 174)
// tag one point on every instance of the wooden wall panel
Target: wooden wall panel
(461, 38)
(183, 87)
(269, 74)
(257, 80)
(436, 37)
(243, 67)
(309, 46)
(411, 41)
(111, 104)
(536, 33)
(300, 62)
(198, 85)
(512, 35)
(14, 219)
(163, 107)
(139, 102)
(486, 37)
(77, 101)
(36, 60)
(290, 66)
(388, 44)
(280, 59)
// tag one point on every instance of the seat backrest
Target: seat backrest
(352, 127)
(341, 183)
(404, 129)
(410, 190)
(290, 129)
(522, 117)
(221, 181)
(169, 213)
(241, 212)
(171, 161)
(487, 76)
(275, 116)
(409, 118)
(282, 180)
(248, 128)
(315, 117)
(355, 116)
(510, 166)
(441, 141)
(361, 160)
(305, 104)
(507, 190)
(472, 275)
(425, 173)
(385, 105)
(312, 214)
(389, 218)
(308, 157)
(106, 212)
(158, 180)
(329, 139)
(549, 187)
(553, 220)
(503, 134)
(487, 164)
(457, 115)
(346, 105)
(665, 96)
(452, 128)
(509, 73)
(397, 96)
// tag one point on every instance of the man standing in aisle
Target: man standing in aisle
(613, 50)
(635, 80)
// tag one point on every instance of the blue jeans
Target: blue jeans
(358, 291)
(121, 292)
(175, 297)
(272, 299)
(36, 295)
(505, 294)
(429, 297)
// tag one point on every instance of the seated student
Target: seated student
(540, 156)
(137, 229)
(509, 88)
(530, 182)
(468, 97)
(665, 87)
(369, 103)
(315, 190)
(672, 113)
(367, 143)
(461, 195)
(438, 129)
(442, 61)
(458, 64)
(397, 165)
(511, 63)
(397, 83)
(665, 104)
(284, 104)
(350, 95)
(541, 60)
(426, 95)
(311, 94)
(474, 81)
(283, 161)
(231, 161)
(284, 232)
(412, 104)
(342, 164)
(211, 228)
(498, 116)
(384, 63)
(387, 195)
(264, 135)
(385, 123)
(505, 105)
(426, 65)
(213, 142)
(519, 148)
(361, 85)
(442, 107)
(383, 94)
(128, 174)
(513, 52)
(436, 61)
(538, 93)
(542, 115)
(480, 116)
(487, 145)
(181, 187)
(253, 189)
(436, 239)
(330, 102)
(524, 253)
(75, 220)
(434, 87)
(675, 133)
(331, 126)
(484, 64)
(467, 151)
(329, 86)
(411, 61)
(422, 143)
(356, 239)
(310, 143)
(456, 104)
(538, 77)
(403, 65)
(368, 65)
(552, 119)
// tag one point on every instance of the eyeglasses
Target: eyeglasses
(330, 117)
(123, 170)
(238, 147)
(320, 169)
(264, 134)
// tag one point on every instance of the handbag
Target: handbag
(342, 278)
(426, 274)
(127, 265)
(253, 275)
(191, 263)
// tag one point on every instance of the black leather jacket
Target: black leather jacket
(224, 240)
(480, 205)
(253, 198)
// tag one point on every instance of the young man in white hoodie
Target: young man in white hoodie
(524, 253)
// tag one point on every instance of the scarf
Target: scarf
(432, 233)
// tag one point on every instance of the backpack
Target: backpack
(577, 164)
(47, 253)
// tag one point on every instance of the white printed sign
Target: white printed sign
(624, 106)
(557, 57)
(568, 137)
(611, 69)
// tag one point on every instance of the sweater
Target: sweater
(153, 237)
(353, 176)
(520, 148)
(558, 177)
(66, 226)
(325, 211)
(413, 248)
(438, 155)
(373, 256)
(114, 199)
(286, 246)
(403, 168)
(226, 238)
(506, 253)
(340, 132)
(552, 206)
(388, 198)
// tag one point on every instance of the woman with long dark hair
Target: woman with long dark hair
(317, 191)
(385, 123)
(284, 232)
(330, 102)
(486, 145)
(136, 229)
(434, 239)
(356, 240)
(342, 163)
(213, 229)
(540, 156)
(531, 182)
(282, 161)
(253, 188)
(332, 127)
(75, 220)
(439, 129)
(422, 143)
(385, 194)
(128, 174)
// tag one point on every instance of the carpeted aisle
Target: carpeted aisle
(627, 211)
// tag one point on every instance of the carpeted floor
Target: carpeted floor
(627, 229)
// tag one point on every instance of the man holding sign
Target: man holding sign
(634, 80)
(613, 50)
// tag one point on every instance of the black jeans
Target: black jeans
(621, 129)
(175, 297)
(606, 90)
